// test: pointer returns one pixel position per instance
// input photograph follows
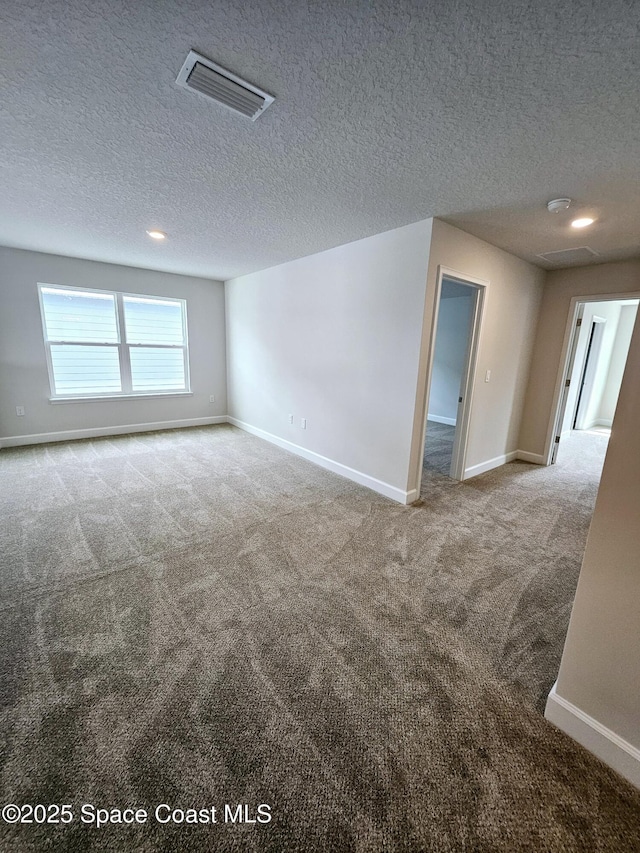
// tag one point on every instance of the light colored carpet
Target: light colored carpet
(438, 447)
(198, 618)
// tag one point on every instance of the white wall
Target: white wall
(334, 338)
(597, 695)
(506, 340)
(452, 337)
(609, 399)
(24, 380)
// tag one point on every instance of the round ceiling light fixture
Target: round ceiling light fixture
(558, 204)
(583, 222)
(157, 235)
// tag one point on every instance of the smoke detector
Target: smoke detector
(558, 204)
(216, 83)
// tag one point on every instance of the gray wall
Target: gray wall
(24, 380)
(609, 311)
(452, 339)
(611, 390)
(334, 338)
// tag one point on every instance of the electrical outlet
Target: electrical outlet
(487, 376)
(303, 423)
(212, 398)
(20, 411)
(290, 419)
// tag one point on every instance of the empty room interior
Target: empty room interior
(319, 457)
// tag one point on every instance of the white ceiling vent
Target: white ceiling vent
(568, 257)
(205, 77)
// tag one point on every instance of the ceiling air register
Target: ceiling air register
(205, 77)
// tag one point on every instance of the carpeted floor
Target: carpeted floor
(438, 447)
(197, 618)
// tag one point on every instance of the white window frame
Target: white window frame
(122, 346)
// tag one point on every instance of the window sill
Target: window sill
(112, 397)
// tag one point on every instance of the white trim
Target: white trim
(525, 456)
(440, 419)
(123, 346)
(97, 432)
(467, 387)
(604, 743)
(598, 422)
(110, 397)
(496, 462)
(359, 477)
(428, 341)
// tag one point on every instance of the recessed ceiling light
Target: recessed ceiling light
(582, 223)
(157, 235)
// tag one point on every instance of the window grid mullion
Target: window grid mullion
(125, 360)
(63, 342)
(122, 346)
(156, 346)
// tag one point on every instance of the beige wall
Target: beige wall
(506, 341)
(600, 669)
(560, 287)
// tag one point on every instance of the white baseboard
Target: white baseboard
(497, 461)
(97, 432)
(359, 477)
(474, 470)
(609, 747)
(525, 456)
(440, 419)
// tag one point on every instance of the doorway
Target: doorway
(589, 372)
(457, 317)
(596, 354)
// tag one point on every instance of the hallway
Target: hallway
(507, 571)
(438, 447)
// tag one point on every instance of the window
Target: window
(102, 344)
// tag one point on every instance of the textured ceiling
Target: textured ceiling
(477, 111)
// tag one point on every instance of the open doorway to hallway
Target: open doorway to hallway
(456, 331)
(597, 356)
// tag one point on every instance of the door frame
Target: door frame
(565, 366)
(463, 419)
